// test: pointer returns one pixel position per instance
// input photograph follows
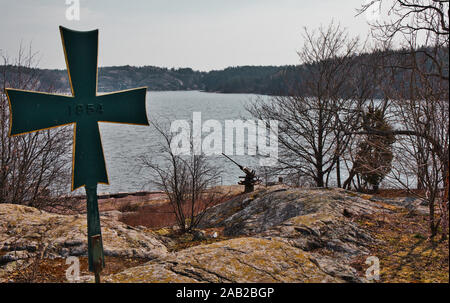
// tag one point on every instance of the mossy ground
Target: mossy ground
(406, 253)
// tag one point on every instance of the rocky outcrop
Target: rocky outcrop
(276, 234)
(26, 231)
(271, 207)
(412, 204)
(284, 235)
(237, 260)
(319, 221)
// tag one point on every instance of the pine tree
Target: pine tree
(374, 155)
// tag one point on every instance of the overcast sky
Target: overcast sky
(202, 34)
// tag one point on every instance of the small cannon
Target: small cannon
(249, 180)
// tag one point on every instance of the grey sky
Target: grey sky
(202, 34)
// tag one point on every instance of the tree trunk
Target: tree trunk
(338, 172)
(319, 178)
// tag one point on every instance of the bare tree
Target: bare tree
(187, 180)
(421, 30)
(34, 168)
(314, 118)
(423, 111)
(421, 103)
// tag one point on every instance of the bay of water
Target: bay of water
(123, 144)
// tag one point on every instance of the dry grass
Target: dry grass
(128, 207)
(406, 253)
(153, 216)
(158, 215)
(54, 271)
(398, 193)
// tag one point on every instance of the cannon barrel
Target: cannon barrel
(240, 166)
(250, 178)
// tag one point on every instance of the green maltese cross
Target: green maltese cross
(33, 111)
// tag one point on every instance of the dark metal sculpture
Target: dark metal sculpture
(33, 111)
(249, 180)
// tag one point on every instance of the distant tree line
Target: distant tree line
(264, 80)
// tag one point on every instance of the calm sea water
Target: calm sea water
(123, 144)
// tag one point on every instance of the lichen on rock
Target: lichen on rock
(276, 234)
(237, 260)
(31, 231)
